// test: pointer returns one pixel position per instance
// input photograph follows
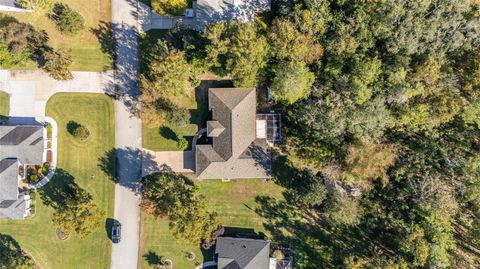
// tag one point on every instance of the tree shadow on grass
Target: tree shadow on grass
(152, 258)
(168, 133)
(104, 34)
(72, 126)
(60, 188)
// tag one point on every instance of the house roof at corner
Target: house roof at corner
(8, 179)
(241, 253)
(236, 152)
(23, 142)
(212, 11)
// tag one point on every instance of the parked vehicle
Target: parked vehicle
(116, 231)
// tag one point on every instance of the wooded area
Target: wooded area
(382, 107)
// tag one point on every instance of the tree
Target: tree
(368, 160)
(193, 222)
(79, 215)
(9, 59)
(173, 196)
(343, 209)
(57, 64)
(12, 256)
(169, 7)
(288, 43)
(67, 19)
(292, 82)
(236, 49)
(19, 42)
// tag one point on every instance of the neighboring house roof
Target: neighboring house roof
(18, 144)
(24, 143)
(241, 253)
(212, 11)
(236, 152)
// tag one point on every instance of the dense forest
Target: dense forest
(381, 103)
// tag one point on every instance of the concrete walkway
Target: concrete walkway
(128, 133)
(30, 90)
(53, 148)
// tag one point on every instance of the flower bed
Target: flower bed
(35, 173)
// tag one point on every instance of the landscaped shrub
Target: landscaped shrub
(207, 244)
(182, 143)
(78, 131)
(57, 64)
(82, 133)
(179, 116)
(169, 7)
(67, 19)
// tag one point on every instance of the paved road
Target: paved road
(128, 133)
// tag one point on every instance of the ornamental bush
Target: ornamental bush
(67, 19)
(182, 144)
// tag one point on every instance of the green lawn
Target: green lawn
(80, 160)
(165, 137)
(233, 201)
(4, 104)
(86, 45)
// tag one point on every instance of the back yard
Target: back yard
(235, 202)
(77, 164)
(91, 47)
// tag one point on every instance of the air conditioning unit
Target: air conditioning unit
(188, 13)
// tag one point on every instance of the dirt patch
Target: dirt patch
(61, 235)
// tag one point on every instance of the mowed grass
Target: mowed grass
(4, 104)
(233, 201)
(37, 234)
(86, 46)
(165, 137)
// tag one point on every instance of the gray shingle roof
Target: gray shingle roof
(15, 210)
(8, 179)
(236, 152)
(241, 253)
(24, 143)
(18, 144)
(214, 128)
(213, 11)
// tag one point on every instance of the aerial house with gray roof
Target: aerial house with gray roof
(238, 149)
(19, 145)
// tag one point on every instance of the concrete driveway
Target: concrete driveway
(30, 90)
(161, 161)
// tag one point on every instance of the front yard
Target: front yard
(235, 202)
(90, 47)
(79, 163)
(165, 137)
